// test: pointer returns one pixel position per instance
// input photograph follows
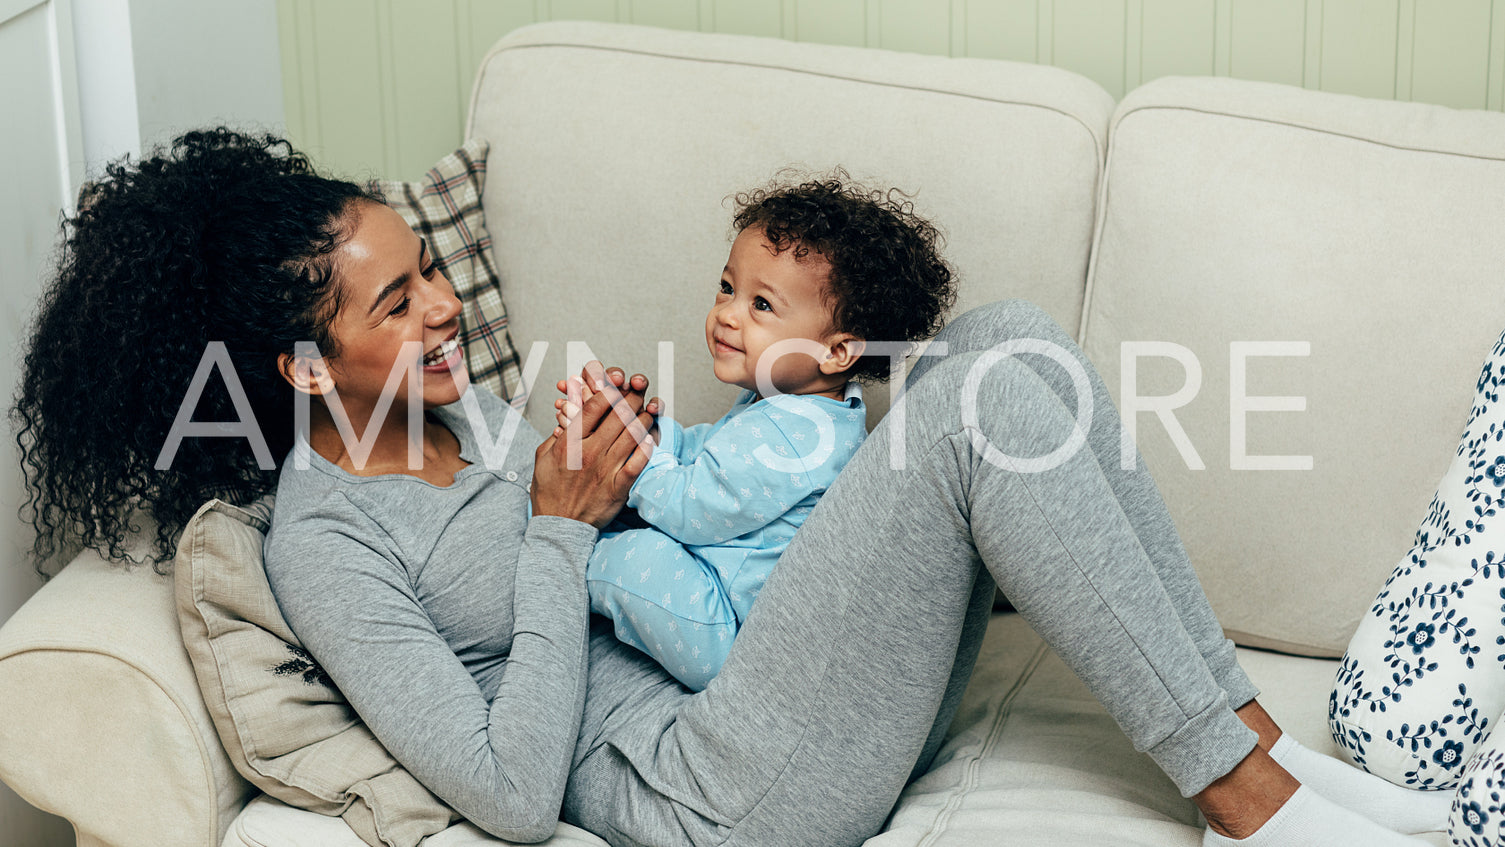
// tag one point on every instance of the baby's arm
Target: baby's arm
(728, 487)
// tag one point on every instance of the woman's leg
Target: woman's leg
(1137, 494)
(846, 661)
(831, 693)
(1133, 488)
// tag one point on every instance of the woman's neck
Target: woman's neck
(427, 450)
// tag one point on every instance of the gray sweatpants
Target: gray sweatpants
(841, 684)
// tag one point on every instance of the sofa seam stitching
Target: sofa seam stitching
(990, 742)
(1119, 119)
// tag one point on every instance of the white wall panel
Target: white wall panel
(38, 168)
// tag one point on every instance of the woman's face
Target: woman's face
(397, 312)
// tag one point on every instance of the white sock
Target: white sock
(1392, 806)
(1309, 820)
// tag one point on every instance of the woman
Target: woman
(462, 581)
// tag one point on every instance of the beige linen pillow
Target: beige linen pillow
(285, 727)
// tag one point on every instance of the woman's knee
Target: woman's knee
(1000, 398)
(990, 324)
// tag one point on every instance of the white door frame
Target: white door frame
(64, 89)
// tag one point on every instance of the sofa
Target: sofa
(1289, 291)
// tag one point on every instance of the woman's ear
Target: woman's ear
(842, 352)
(305, 373)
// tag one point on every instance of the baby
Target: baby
(816, 271)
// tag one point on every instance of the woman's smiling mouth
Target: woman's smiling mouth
(444, 357)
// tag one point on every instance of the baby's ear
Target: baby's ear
(842, 352)
(305, 373)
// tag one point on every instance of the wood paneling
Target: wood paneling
(748, 17)
(1000, 29)
(914, 25)
(1087, 36)
(381, 86)
(1359, 47)
(1450, 52)
(831, 21)
(1268, 40)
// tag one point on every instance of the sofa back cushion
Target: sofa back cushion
(614, 150)
(1296, 244)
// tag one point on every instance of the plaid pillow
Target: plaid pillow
(445, 208)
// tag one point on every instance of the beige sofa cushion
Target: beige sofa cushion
(268, 823)
(613, 149)
(285, 726)
(1032, 757)
(1367, 232)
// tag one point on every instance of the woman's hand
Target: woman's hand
(585, 468)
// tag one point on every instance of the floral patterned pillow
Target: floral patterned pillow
(1423, 681)
(1478, 815)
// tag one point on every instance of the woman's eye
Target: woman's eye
(726, 287)
(762, 305)
(400, 307)
(428, 272)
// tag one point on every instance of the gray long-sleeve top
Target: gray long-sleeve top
(453, 623)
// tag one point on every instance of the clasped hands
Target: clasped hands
(606, 429)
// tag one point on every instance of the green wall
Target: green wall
(381, 86)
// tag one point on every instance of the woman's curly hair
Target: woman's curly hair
(220, 237)
(888, 281)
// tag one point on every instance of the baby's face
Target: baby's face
(770, 302)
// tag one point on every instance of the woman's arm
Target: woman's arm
(503, 763)
(586, 467)
(347, 586)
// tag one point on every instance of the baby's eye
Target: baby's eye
(726, 287)
(762, 305)
(400, 307)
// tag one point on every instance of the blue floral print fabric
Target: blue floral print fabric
(1478, 814)
(1422, 684)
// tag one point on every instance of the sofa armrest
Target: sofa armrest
(104, 724)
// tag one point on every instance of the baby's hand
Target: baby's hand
(579, 390)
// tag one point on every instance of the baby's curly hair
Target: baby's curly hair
(221, 237)
(887, 280)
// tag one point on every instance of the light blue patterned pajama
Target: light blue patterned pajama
(722, 500)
